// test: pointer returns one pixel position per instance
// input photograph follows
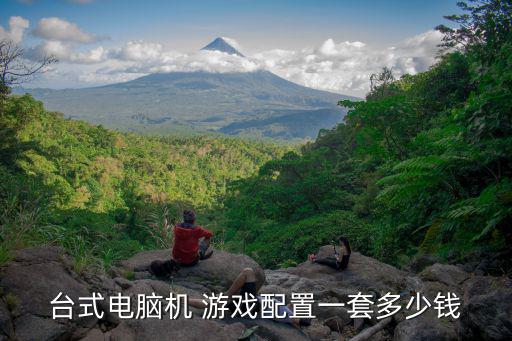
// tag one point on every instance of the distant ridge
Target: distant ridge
(257, 103)
(220, 44)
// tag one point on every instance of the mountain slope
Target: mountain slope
(202, 101)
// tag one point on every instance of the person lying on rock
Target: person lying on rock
(191, 241)
(336, 262)
(245, 283)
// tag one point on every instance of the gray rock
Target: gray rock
(318, 331)
(450, 275)
(426, 327)
(272, 330)
(219, 270)
(34, 328)
(420, 262)
(363, 273)
(181, 329)
(33, 279)
(6, 325)
(487, 311)
(41, 254)
(123, 282)
(36, 285)
(335, 324)
(94, 335)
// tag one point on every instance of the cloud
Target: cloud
(58, 29)
(17, 27)
(65, 52)
(152, 57)
(139, 51)
(342, 67)
(345, 67)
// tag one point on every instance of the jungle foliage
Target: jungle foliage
(423, 165)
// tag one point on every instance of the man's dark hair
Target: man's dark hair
(189, 216)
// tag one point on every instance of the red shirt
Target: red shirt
(186, 243)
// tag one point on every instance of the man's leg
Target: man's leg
(246, 276)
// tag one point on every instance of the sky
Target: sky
(333, 45)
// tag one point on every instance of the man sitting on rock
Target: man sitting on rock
(191, 241)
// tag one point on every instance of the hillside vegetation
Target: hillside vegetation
(422, 166)
(105, 195)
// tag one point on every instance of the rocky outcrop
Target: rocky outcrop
(487, 311)
(215, 273)
(35, 276)
(182, 329)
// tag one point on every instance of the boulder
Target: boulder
(426, 327)
(272, 330)
(31, 281)
(450, 275)
(420, 262)
(487, 310)
(35, 328)
(180, 329)
(6, 326)
(95, 335)
(218, 271)
(362, 274)
(318, 331)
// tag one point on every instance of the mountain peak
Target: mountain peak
(222, 44)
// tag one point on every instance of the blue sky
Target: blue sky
(258, 26)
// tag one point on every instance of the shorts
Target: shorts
(248, 288)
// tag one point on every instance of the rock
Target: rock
(6, 326)
(334, 323)
(32, 280)
(181, 329)
(450, 275)
(318, 331)
(123, 282)
(108, 317)
(41, 254)
(487, 311)
(362, 274)
(272, 330)
(36, 285)
(94, 335)
(421, 262)
(283, 282)
(426, 327)
(219, 270)
(101, 283)
(34, 328)
(324, 313)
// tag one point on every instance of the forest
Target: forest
(421, 166)
(105, 195)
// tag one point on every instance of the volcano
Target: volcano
(256, 104)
